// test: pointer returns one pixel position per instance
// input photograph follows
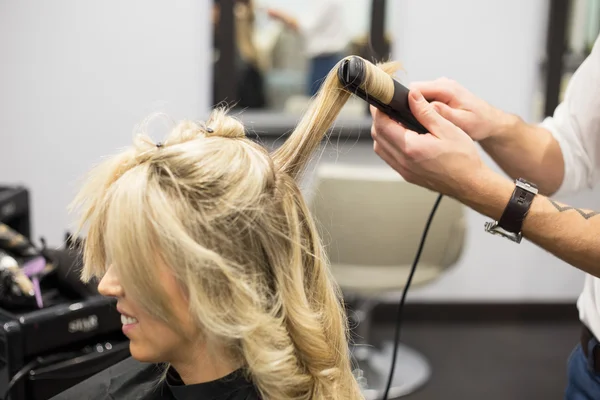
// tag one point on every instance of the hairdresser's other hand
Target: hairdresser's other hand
(274, 13)
(472, 114)
(446, 160)
(283, 17)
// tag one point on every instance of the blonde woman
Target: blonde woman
(208, 246)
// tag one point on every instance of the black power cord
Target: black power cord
(404, 292)
(33, 364)
(20, 375)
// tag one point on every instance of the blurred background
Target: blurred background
(498, 322)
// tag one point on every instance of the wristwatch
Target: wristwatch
(511, 221)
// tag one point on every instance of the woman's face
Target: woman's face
(151, 340)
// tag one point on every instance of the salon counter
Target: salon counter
(271, 125)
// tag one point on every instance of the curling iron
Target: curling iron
(25, 275)
(23, 280)
(392, 99)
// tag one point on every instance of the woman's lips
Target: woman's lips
(127, 320)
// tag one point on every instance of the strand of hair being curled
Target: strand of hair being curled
(230, 222)
(293, 155)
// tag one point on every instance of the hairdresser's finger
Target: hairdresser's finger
(443, 89)
(398, 164)
(393, 149)
(426, 114)
(380, 118)
(382, 123)
(390, 135)
(382, 129)
(373, 111)
(399, 168)
(377, 114)
(418, 147)
(449, 113)
(382, 151)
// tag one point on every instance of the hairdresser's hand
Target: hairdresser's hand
(446, 160)
(283, 17)
(275, 14)
(472, 114)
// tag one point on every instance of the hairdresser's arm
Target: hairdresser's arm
(569, 233)
(288, 20)
(447, 161)
(520, 149)
(527, 151)
(320, 15)
(558, 155)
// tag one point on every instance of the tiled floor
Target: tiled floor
(476, 361)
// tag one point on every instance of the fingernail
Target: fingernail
(417, 96)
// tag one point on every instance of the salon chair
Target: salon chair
(371, 222)
(287, 71)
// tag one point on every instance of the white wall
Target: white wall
(75, 78)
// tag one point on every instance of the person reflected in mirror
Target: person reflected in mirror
(325, 35)
(249, 75)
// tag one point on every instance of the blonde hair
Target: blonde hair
(244, 31)
(230, 222)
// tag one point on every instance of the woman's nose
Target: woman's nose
(109, 284)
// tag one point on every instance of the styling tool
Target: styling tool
(14, 242)
(365, 80)
(22, 282)
(33, 269)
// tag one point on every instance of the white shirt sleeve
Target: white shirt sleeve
(323, 27)
(312, 23)
(576, 126)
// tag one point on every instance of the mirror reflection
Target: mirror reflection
(285, 48)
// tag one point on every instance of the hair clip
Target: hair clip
(159, 145)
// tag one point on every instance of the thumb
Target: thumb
(427, 115)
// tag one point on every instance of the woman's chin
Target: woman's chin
(142, 353)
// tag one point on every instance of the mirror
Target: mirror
(283, 49)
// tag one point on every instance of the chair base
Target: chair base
(412, 370)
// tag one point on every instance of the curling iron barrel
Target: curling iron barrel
(365, 80)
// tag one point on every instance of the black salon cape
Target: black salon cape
(132, 380)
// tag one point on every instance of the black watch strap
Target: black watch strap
(511, 222)
(518, 206)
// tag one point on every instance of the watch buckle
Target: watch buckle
(495, 229)
(526, 186)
